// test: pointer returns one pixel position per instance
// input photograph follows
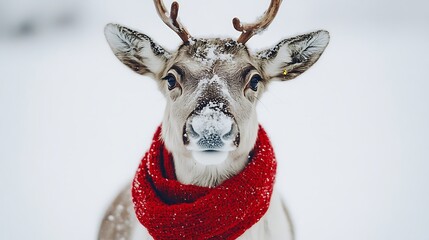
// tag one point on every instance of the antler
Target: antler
(248, 30)
(170, 19)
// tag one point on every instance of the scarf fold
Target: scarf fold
(171, 210)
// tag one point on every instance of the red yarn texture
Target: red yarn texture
(171, 210)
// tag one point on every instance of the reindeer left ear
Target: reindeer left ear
(293, 56)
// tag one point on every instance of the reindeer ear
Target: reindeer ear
(293, 56)
(136, 50)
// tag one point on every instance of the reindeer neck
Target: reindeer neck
(190, 172)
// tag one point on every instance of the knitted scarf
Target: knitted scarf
(171, 210)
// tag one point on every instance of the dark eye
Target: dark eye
(254, 81)
(171, 81)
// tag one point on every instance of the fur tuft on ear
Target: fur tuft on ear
(136, 50)
(293, 56)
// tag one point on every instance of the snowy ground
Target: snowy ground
(351, 135)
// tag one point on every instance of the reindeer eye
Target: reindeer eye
(254, 81)
(171, 80)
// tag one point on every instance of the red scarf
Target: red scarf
(171, 210)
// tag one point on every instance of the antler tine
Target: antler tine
(170, 19)
(248, 30)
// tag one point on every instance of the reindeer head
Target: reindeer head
(212, 85)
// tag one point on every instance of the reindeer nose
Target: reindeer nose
(211, 130)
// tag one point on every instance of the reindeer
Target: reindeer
(208, 73)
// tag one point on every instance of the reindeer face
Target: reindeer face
(212, 85)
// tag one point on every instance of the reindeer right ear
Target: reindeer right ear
(293, 56)
(136, 50)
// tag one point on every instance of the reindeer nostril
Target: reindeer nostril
(191, 131)
(229, 135)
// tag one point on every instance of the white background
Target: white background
(351, 134)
